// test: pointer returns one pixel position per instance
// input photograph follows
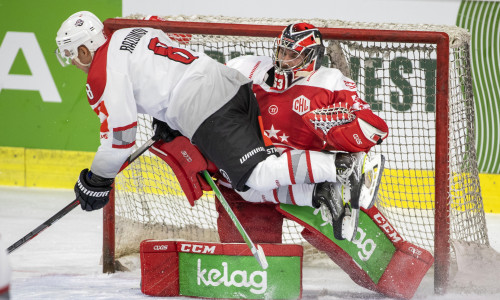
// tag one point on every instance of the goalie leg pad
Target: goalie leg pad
(377, 259)
(186, 162)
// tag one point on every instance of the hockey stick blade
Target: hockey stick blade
(74, 203)
(257, 252)
(260, 257)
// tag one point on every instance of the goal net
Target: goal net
(416, 77)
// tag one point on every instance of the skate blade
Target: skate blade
(374, 168)
(350, 225)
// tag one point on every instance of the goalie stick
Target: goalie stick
(74, 203)
(257, 251)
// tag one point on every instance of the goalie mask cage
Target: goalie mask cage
(416, 77)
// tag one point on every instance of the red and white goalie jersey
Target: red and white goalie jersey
(140, 70)
(283, 111)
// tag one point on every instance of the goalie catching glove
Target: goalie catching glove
(346, 130)
(92, 190)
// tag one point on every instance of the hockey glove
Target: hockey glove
(366, 131)
(346, 130)
(92, 190)
(163, 131)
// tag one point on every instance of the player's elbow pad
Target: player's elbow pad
(366, 131)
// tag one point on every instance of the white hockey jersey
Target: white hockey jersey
(140, 70)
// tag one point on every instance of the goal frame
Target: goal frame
(442, 174)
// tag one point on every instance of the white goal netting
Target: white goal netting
(399, 81)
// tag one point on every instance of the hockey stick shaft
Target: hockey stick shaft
(43, 226)
(257, 252)
(74, 203)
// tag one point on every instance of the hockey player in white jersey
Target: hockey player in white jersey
(140, 70)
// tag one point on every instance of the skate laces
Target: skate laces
(326, 214)
(353, 167)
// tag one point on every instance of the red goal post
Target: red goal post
(444, 186)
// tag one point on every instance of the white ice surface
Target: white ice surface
(63, 262)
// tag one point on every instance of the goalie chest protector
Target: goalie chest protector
(215, 270)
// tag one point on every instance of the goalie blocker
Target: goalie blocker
(186, 162)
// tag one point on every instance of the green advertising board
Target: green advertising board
(42, 104)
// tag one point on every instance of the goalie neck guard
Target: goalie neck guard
(298, 52)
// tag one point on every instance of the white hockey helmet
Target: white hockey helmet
(81, 28)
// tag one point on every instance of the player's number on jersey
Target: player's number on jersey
(90, 95)
(279, 83)
(173, 53)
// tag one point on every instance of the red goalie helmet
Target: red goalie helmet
(299, 49)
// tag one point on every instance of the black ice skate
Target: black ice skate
(330, 195)
(360, 174)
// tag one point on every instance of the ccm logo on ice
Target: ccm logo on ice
(197, 248)
(256, 281)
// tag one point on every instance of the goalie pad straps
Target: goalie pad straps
(186, 162)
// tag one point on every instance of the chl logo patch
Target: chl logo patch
(301, 105)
